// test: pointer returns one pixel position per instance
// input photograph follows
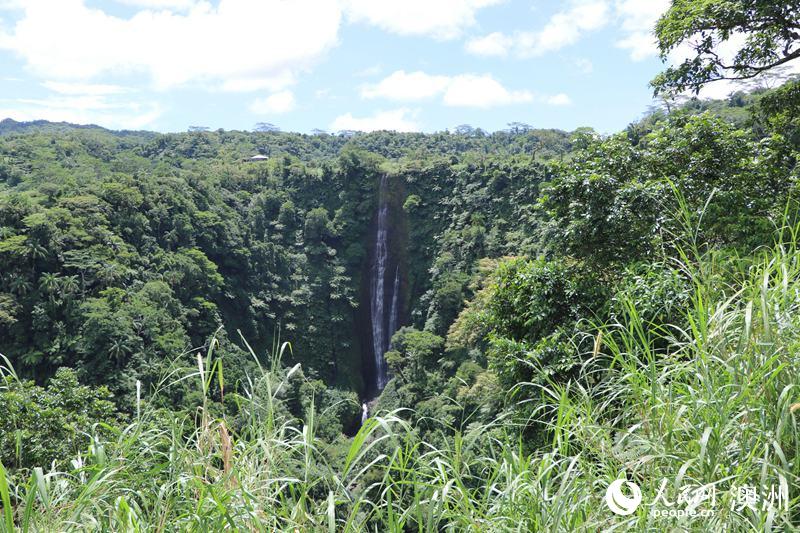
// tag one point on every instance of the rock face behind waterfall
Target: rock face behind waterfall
(384, 289)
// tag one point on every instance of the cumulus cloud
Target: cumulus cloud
(410, 86)
(277, 82)
(84, 109)
(94, 89)
(441, 19)
(493, 44)
(559, 99)
(464, 90)
(481, 91)
(160, 4)
(277, 103)
(638, 20)
(235, 43)
(402, 119)
(564, 28)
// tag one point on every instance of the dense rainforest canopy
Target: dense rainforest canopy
(184, 329)
(121, 250)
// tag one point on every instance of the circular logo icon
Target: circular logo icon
(618, 502)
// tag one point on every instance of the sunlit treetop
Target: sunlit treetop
(763, 34)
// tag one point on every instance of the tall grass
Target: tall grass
(710, 401)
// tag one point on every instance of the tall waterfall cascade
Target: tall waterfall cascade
(384, 304)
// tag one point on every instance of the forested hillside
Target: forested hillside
(121, 250)
(188, 334)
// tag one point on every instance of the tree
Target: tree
(779, 109)
(413, 353)
(318, 225)
(41, 425)
(8, 309)
(519, 127)
(532, 316)
(266, 127)
(769, 32)
(465, 129)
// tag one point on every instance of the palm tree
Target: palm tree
(35, 251)
(69, 285)
(119, 349)
(31, 359)
(49, 283)
(20, 285)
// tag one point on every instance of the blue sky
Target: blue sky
(421, 65)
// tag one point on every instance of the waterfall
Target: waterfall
(394, 310)
(383, 318)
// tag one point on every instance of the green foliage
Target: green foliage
(126, 336)
(780, 109)
(533, 297)
(88, 218)
(693, 410)
(138, 247)
(532, 314)
(769, 30)
(613, 202)
(472, 325)
(464, 210)
(413, 353)
(658, 293)
(39, 426)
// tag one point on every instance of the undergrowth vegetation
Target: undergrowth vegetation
(709, 401)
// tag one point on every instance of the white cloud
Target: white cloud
(160, 4)
(402, 86)
(639, 18)
(481, 91)
(465, 90)
(641, 45)
(559, 99)
(277, 82)
(84, 109)
(562, 29)
(84, 88)
(277, 103)
(397, 119)
(494, 44)
(441, 19)
(234, 42)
